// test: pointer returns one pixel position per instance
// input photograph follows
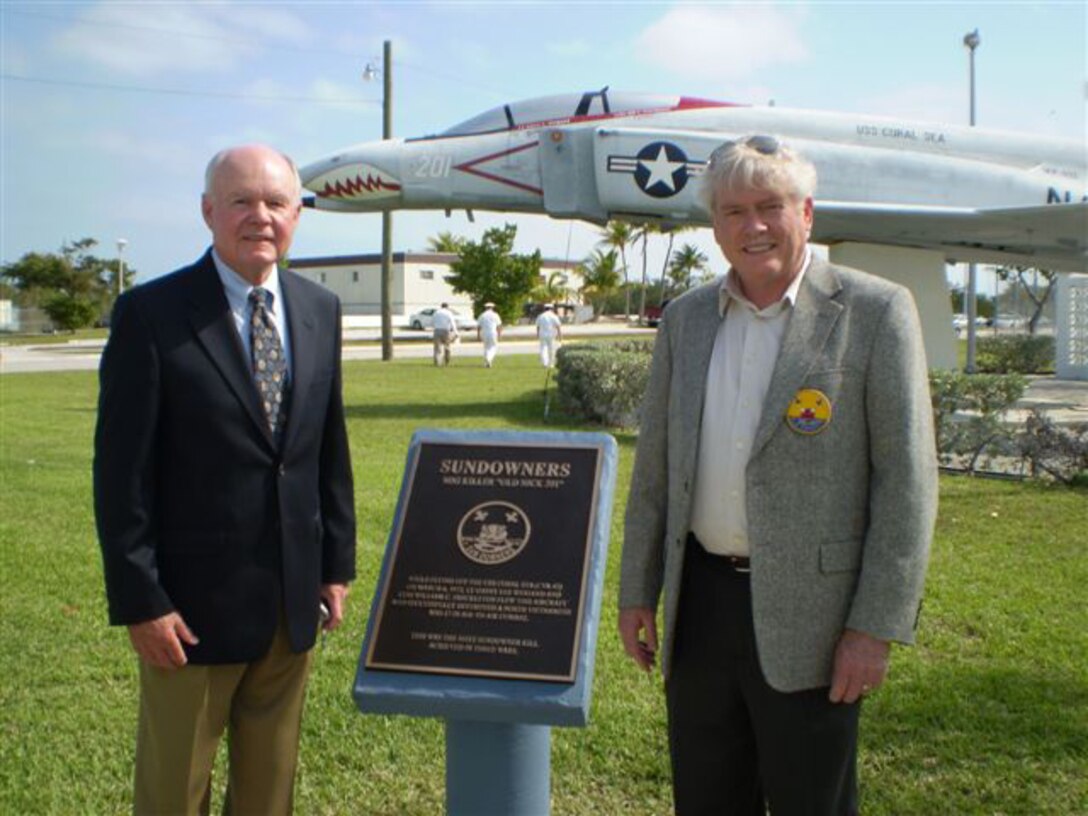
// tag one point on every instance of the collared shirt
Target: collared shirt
(444, 320)
(489, 322)
(237, 290)
(741, 365)
(547, 325)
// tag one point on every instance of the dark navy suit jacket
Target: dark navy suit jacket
(198, 510)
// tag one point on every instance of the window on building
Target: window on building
(322, 277)
(355, 276)
(426, 274)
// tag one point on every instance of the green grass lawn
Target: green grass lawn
(988, 715)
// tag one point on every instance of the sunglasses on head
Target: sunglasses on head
(765, 145)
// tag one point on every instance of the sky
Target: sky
(109, 111)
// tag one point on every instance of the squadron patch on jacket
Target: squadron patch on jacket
(809, 412)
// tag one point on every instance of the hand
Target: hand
(861, 664)
(158, 641)
(334, 595)
(638, 631)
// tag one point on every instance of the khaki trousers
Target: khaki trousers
(443, 343)
(183, 714)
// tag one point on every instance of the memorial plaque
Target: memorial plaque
(489, 562)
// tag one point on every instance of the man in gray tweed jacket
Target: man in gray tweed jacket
(782, 502)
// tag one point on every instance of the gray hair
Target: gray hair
(757, 163)
(221, 157)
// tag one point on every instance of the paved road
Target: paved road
(83, 355)
(1065, 400)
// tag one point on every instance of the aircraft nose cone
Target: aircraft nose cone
(346, 179)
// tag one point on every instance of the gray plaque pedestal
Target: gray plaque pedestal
(499, 768)
(498, 708)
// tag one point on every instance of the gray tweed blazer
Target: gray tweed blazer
(840, 522)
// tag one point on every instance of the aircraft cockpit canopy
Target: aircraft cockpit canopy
(564, 108)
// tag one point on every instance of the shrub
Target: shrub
(1016, 353)
(603, 382)
(969, 417)
(1059, 452)
(70, 312)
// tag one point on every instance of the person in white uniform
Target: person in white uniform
(445, 333)
(488, 331)
(550, 334)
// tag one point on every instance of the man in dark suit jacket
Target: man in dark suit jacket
(782, 502)
(224, 500)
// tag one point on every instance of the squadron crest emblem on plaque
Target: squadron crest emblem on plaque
(493, 532)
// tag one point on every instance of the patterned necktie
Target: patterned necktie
(269, 363)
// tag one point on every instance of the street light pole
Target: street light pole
(121, 244)
(971, 40)
(387, 217)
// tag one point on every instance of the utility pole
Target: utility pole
(387, 217)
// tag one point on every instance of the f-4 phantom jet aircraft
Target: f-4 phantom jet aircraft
(969, 193)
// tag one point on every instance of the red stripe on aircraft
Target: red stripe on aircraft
(685, 103)
(470, 167)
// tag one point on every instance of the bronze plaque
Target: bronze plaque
(487, 575)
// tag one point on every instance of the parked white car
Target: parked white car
(959, 321)
(424, 320)
(1010, 321)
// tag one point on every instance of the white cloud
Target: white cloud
(722, 42)
(153, 38)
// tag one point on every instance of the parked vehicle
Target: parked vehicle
(653, 314)
(1010, 321)
(425, 320)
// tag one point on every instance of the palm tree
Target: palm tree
(671, 232)
(687, 261)
(643, 233)
(446, 241)
(600, 277)
(554, 289)
(618, 235)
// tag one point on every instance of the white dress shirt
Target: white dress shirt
(741, 365)
(237, 290)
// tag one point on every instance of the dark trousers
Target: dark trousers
(737, 745)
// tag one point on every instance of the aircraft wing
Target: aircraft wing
(1050, 236)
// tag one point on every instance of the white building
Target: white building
(419, 281)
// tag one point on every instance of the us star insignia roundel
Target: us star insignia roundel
(660, 169)
(809, 412)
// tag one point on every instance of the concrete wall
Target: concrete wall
(923, 273)
(1072, 327)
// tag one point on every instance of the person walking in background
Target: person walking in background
(549, 333)
(223, 495)
(445, 334)
(782, 502)
(488, 330)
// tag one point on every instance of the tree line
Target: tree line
(489, 271)
(74, 288)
